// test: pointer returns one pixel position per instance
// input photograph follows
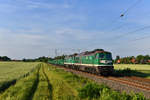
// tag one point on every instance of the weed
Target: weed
(90, 90)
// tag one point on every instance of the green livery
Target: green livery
(57, 61)
(97, 61)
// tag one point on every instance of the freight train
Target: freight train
(97, 61)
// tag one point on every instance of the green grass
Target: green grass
(10, 72)
(82, 88)
(137, 69)
(14, 70)
(44, 88)
(61, 89)
(23, 89)
(47, 82)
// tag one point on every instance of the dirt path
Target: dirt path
(61, 89)
(44, 88)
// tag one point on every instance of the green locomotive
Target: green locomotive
(97, 62)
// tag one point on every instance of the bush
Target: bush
(138, 96)
(91, 90)
(148, 63)
(107, 94)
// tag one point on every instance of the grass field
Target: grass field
(139, 69)
(47, 82)
(10, 72)
(13, 70)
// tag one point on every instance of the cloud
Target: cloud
(30, 28)
(26, 5)
(26, 43)
(35, 4)
(20, 45)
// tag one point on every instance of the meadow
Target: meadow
(10, 72)
(46, 82)
(140, 70)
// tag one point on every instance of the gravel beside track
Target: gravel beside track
(140, 80)
(127, 84)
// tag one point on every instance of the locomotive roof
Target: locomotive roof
(88, 53)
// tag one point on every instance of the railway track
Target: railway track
(128, 84)
(125, 80)
(132, 83)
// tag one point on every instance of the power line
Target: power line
(122, 15)
(61, 51)
(132, 6)
(132, 32)
(56, 53)
(145, 37)
(147, 49)
(117, 28)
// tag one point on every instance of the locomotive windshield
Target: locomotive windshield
(108, 56)
(105, 56)
(101, 55)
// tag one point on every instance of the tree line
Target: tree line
(4, 58)
(140, 59)
(40, 59)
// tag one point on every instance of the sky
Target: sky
(34, 28)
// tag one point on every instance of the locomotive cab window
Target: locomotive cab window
(108, 56)
(101, 55)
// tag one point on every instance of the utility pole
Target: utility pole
(79, 51)
(55, 52)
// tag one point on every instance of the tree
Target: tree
(140, 59)
(60, 57)
(4, 58)
(117, 58)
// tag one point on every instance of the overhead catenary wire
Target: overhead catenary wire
(118, 27)
(122, 25)
(132, 32)
(121, 16)
(141, 38)
(132, 6)
(125, 12)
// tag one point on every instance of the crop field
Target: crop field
(10, 72)
(47, 82)
(14, 70)
(139, 69)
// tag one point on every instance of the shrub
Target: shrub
(90, 91)
(138, 96)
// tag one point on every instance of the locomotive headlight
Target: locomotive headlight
(102, 61)
(105, 61)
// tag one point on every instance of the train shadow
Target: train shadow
(128, 72)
